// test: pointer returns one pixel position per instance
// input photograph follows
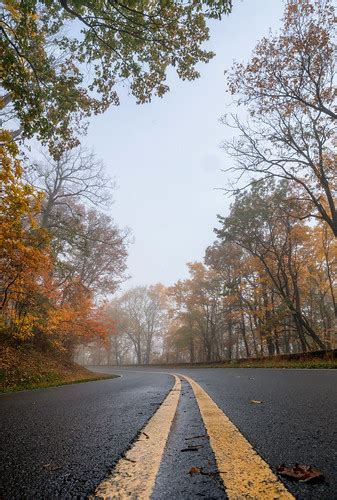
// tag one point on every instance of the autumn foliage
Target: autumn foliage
(24, 259)
(267, 285)
(36, 306)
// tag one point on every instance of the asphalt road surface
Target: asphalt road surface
(63, 442)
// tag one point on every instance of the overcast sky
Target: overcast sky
(165, 156)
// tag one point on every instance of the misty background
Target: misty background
(166, 158)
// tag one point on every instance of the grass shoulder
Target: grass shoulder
(25, 368)
(271, 363)
(309, 360)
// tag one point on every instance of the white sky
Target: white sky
(165, 156)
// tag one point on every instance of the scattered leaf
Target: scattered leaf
(195, 437)
(199, 470)
(301, 473)
(256, 401)
(146, 435)
(195, 470)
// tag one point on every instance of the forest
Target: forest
(265, 286)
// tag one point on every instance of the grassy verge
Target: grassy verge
(26, 368)
(313, 360)
(275, 363)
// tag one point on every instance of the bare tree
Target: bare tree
(76, 175)
(87, 244)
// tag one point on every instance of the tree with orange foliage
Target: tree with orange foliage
(24, 258)
(74, 319)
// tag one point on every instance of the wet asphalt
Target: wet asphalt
(188, 468)
(295, 423)
(61, 442)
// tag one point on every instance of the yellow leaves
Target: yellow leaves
(34, 16)
(23, 328)
(24, 257)
(13, 8)
(9, 145)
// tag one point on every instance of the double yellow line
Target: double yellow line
(244, 473)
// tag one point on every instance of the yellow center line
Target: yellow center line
(135, 474)
(244, 473)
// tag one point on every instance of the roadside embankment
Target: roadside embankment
(27, 368)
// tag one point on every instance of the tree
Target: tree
(35, 307)
(47, 45)
(97, 253)
(86, 243)
(199, 307)
(144, 320)
(231, 265)
(74, 319)
(24, 255)
(76, 175)
(289, 93)
(259, 224)
(43, 91)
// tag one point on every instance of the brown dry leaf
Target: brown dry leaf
(300, 472)
(195, 470)
(257, 402)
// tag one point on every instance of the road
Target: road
(67, 442)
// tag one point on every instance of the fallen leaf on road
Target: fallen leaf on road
(199, 470)
(195, 437)
(146, 435)
(195, 470)
(301, 473)
(255, 401)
